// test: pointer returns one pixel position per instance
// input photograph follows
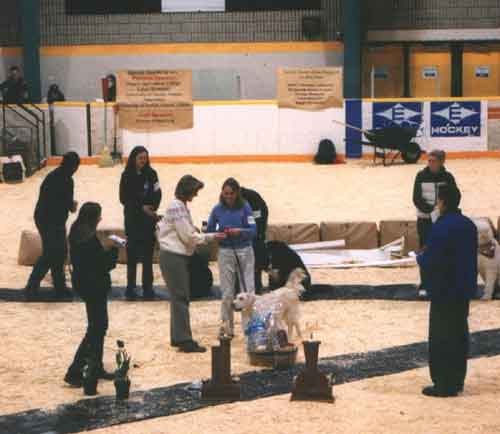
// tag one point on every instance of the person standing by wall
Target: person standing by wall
(14, 90)
(234, 217)
(140, 195)
(92, 282)
(425, 193)
(178, 238)
(261, 216)
(450, 259)
(55, 202)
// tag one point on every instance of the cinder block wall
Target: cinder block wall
(431, 14)
(10, 24)
(61, 29)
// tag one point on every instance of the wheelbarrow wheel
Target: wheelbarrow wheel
(412, 153)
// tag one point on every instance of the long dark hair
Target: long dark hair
(130, 167)
(187, 187)
(235, 186)
(85, 225)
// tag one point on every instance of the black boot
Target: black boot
(439, 392)
(130, 294)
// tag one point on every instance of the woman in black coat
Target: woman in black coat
(140, 195)
(91, 281)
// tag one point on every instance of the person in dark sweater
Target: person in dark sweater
(55, 202)
(14, 90)
(140, 195)
(261, 215)
(425, 191)
(450, 259)
(92, 282)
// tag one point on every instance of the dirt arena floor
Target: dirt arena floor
(38, 340)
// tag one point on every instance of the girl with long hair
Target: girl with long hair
(140, 195)
(233, 216)
(91, 280)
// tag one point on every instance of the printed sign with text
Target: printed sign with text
(456, 119)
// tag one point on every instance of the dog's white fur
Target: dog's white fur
(285, 301)
(489, 268)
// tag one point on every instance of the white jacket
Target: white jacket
(176, 232)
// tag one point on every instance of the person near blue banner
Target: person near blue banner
(140, 195)
(450, 261)
(425, 192)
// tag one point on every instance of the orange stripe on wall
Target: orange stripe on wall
(190, 48)
(222, 159)
(11, 51)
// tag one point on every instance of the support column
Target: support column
(352, 48)
(457, 69)
(352, 75)
(30, 23)
(406, 71)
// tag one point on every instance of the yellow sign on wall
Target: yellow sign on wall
(310, 88)
(155, 100)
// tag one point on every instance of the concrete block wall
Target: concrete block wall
(431, 14)
(61, 29)
(10, 24)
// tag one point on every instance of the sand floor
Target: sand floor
(38, 340)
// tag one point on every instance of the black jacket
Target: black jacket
(260, 210)
(14, 91)
(137, 190)
(55, 199)
(91, 266)
(425, 189)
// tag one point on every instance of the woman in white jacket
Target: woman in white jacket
(178, 238)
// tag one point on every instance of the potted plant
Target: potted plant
(89, 376)
(122, 381)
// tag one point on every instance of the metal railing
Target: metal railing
(34, 119)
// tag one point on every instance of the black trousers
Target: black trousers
(448, 343)
(54, 252)
(259, 249)
(92, 344)
(141, 250)
(424, 227)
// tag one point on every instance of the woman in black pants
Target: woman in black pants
(140, 194)
(92, 282)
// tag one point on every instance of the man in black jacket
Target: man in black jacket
(261, 215)
(450, 259)
(55, 202)
(14, 90)
(425, 194)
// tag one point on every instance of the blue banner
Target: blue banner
(390, 114)
(456, 119)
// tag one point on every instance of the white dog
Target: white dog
(284, 302)
(488, 258)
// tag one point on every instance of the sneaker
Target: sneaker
(191, 347)
(223, 334)
(437, 392)
(73, 380)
